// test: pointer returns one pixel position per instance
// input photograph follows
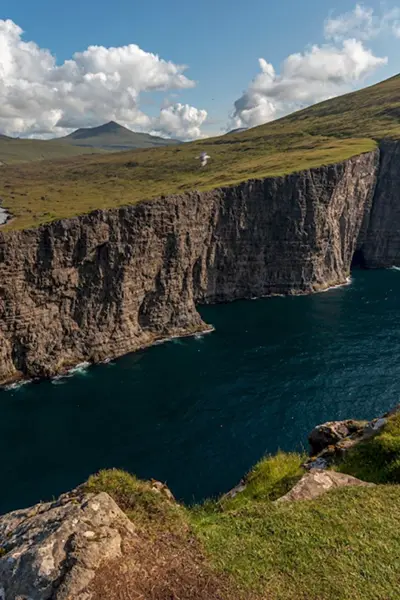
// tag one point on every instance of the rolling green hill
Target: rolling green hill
(325, 133)
(16, 150)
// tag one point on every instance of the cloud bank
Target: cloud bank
(320, 72)
(39, 97)
(363, 23)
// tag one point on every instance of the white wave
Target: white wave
(59, 380)
(16, 385)
(336, 287)
(80, 368)
(395, 268)
(201, 334)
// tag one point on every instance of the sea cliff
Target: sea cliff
(110, 282)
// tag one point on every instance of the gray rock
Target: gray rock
(316, 482)
(327, 434)
(52, 551)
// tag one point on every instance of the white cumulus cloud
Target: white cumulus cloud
(319, 73)
(181, 120)
(39, 97)
(363, 23)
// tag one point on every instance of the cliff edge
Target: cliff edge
(290, 530)
(110, 282)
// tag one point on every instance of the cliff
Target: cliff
(110, 282)
(380, 247)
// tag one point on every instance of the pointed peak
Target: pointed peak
(111, 125)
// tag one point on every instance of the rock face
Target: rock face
(317, 482)
(53, 551)
(380, 240)
(104, 284)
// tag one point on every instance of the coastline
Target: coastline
(16, 381)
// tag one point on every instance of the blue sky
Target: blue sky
(220, 42)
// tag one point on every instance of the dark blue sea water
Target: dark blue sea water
(199, 412)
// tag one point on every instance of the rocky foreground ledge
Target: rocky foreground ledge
(84, 546)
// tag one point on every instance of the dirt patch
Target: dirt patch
(163, 568)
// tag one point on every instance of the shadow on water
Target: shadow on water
(199, 412)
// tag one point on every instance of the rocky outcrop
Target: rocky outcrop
(379, 241)
(331, 433)
(107, 283)
(318, 482)
(83, 547)
(53, 551)
(330, 441)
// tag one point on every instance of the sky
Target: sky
(184, 69)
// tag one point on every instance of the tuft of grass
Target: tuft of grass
(378, 459)
(271, 478)
(144, 506)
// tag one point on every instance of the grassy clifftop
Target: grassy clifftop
(342, 545)
(329, 132)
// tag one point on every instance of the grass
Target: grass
(342, 545)
(14, 150)
(37, 193)
(378, 459)
(147, 508)
(271, 478)
(163, 560)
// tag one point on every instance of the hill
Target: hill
(110, 137)
(17, 150)
(114, 137)
(326, 133)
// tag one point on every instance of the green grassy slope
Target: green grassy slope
(16, 150)
(326, 133)
(344, 544)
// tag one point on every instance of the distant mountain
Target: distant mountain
(114, 137)
(110, 137)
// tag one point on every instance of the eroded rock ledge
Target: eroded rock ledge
(53, 550)
(107, 283)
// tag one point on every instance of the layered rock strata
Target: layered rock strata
(110, 282)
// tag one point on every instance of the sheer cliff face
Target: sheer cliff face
(380, 246)
(110, 282)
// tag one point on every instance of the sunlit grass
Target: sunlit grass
(327, 133)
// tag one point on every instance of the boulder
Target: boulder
(53, 551)
(332, 432)
(327, 434)
(317, 482)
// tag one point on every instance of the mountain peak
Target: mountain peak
(111, 126)
(112, 136)
(107, 128)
